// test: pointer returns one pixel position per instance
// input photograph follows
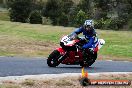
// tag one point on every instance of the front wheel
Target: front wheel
(52, 60)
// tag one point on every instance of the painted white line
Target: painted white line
(3, 56)
(115, 60)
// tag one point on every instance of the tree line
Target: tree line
(107, 14)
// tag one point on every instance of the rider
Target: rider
(89, 32)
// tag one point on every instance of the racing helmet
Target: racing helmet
(88, 25)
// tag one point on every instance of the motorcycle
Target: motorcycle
(71, 53)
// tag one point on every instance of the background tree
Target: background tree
(20, 10)
(57, 10)
(53, 10)
(4, 2)
(85, 5)
(80, 18)
(72, 15)
(111, 14)
(65, 19)
(67, 4)
(102, 8)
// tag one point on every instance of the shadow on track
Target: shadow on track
(72, 69)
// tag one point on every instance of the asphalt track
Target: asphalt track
(18, 66)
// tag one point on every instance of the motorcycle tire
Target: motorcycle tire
(89, 63)
(52, 60)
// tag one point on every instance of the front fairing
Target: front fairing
(70, 40)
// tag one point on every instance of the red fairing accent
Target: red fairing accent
(71, 59)
(61, 50)
(77, 40)
(96, 49)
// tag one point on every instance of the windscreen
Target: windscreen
(72, 36)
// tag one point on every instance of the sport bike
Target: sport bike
(71, 53)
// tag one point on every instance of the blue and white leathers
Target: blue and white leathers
(90, 36)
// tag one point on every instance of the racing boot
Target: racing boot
(85, 56)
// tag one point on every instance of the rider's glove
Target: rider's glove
(79, 47)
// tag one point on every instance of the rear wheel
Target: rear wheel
(52, 60)
(90, 60)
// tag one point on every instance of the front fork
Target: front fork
(63, 55)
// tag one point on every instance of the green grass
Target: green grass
(29, 40)
(39, 40)
(4, 16)
(35, 32)
(118, 43)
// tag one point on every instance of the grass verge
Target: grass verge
(22, 39)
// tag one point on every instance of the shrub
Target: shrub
(106, 24)
(130, 24)
(46, 21)
(20, 10)
(35, 17)
(63, 20)
(98, 24)
(116, 24)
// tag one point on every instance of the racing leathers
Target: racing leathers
(90, 36)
